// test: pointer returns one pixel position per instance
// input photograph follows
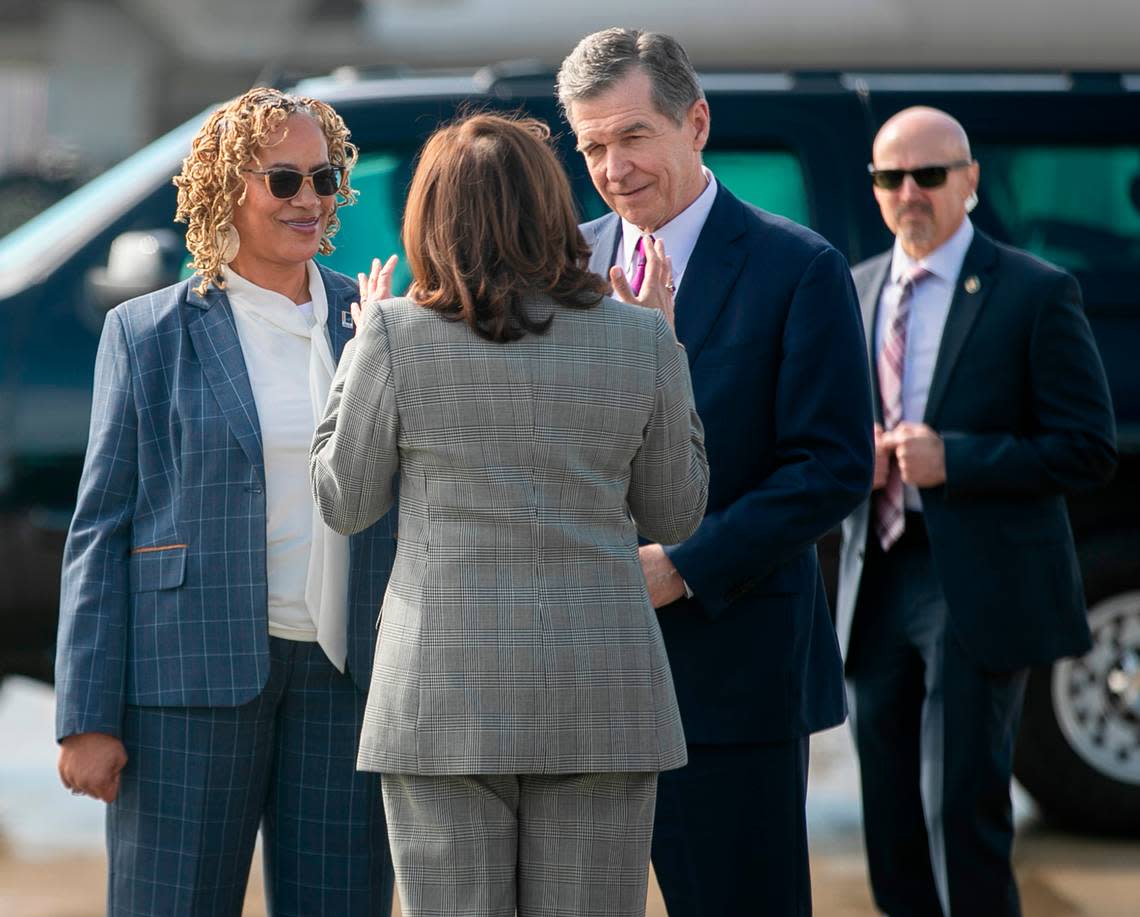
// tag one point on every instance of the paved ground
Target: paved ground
(51, 864)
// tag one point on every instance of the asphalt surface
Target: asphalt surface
(51, 861)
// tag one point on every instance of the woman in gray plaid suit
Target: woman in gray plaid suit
(521, 703)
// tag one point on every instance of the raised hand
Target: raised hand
(374, 286)
(656, 288)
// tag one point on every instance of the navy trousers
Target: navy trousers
(730, 833)
(200, 781)
(935, 736)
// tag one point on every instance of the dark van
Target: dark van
(1060, 160)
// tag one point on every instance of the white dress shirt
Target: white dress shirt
(288, 357)
(929, 306)
(679, 234)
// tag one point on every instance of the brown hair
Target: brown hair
(211, 184)
(490, 220)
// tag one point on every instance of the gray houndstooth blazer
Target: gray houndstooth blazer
(516, 635)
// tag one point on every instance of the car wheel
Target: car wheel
(1078, 752)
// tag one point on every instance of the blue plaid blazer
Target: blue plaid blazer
(164, 594)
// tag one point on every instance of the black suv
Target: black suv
(1060, 160)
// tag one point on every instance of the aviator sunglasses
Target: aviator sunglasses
(924, 176)
(286, 183)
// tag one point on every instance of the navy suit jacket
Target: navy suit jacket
(1020, 399)
(769, 319)
(164, 587)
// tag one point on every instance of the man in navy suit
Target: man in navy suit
(768, 316)
(960, 572)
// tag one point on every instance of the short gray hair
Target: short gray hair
(604, 58)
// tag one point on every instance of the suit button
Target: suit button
(254, 488)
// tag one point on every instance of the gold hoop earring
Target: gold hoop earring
(228, 242)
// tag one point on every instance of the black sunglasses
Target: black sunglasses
(286, 183)
(924, 176)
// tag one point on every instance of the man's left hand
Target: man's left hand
(920, 453)
(657, 286)
(661, 578)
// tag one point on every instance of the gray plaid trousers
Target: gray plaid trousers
(543, 845)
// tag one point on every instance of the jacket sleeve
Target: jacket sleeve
(823, 453)
(93, 608)
(669, 481)
(1071, 442)
(355, 449)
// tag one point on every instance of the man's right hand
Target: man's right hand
(90, 764)
(882, 459)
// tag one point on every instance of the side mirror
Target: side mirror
(138, 263)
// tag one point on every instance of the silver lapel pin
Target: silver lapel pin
(345, 318)
(973, 284)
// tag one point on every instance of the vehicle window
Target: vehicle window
(371, 227)
(31, 251)
(1077, 206)
(770, 179)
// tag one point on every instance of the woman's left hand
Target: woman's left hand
(374, 286)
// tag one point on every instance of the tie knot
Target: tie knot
(916, 274)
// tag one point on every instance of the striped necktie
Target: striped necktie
(890, 509)
(638, 277)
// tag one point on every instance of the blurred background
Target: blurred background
(85, 84)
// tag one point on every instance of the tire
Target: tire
(1078, 751)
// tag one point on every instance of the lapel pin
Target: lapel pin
(973, 284)
(346, 318)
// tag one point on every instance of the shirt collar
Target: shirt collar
(680, 233)
(945, 262)
(274, 307)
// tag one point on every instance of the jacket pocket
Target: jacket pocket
(159, 567)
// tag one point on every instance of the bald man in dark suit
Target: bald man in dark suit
(960, 572)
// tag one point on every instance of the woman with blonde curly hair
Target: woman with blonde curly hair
(215, 637)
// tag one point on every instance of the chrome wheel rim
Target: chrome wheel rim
(1097, 697)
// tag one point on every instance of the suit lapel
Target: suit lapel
(870, 291)
(214, 336)
(604, 245)
(712, 270)
(970, 293)
(713, 267)
(340, 294)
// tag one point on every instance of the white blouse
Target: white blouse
(290, 364)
